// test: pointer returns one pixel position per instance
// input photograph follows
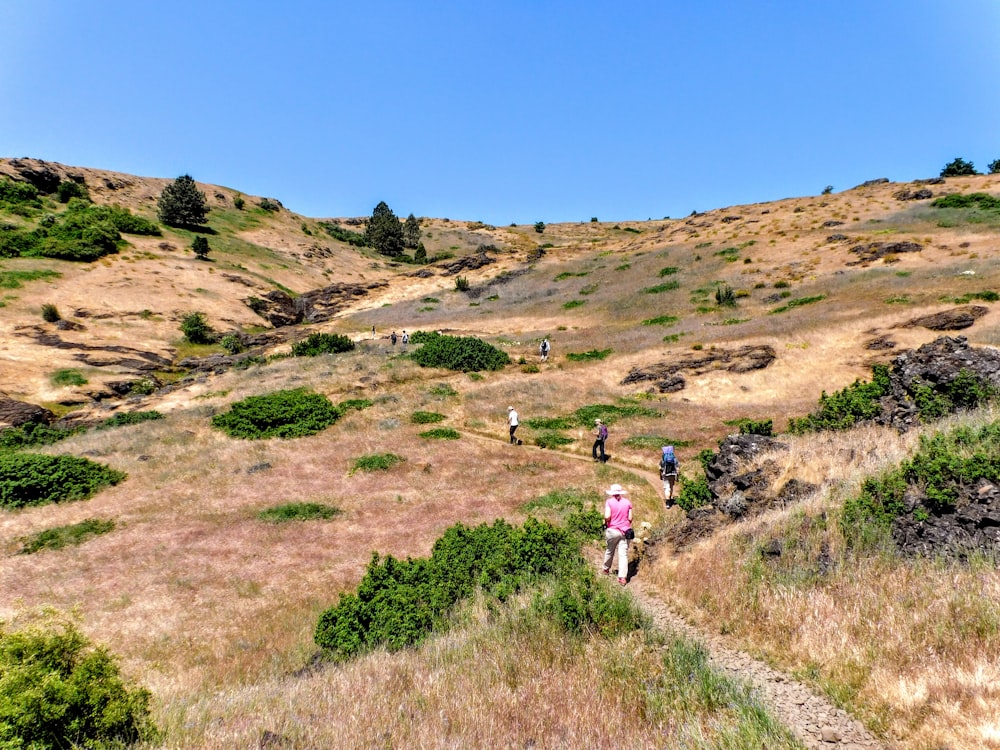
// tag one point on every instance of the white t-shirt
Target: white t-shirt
(512, 418)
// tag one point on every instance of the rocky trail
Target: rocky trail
(811, 717)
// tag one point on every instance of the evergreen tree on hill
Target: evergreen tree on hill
(182, 204)
(411, 232)
(384, 232)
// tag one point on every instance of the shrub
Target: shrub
(200, 247)
(461, 284)
(356, 404)
(550, 423)
(441, 433)
(322, 343)
(232, 343)
(994, 166)
(958, 167)
(593, 354)
(983, 201)
(65, 536)
(298, 512)
(757, 427)
(34, 433)
(239, 203)
(68, 377)
(539, 226)
(610, 413)
(182, 204)
(725, 296)
(667, 286)
(461, 353)
(842, 410)
(343, 235)
(376, 462)
(573, 303)
(143, 387)
(269, 205)
(694, 493)
(14, 194)
(196, 329)
(59, 691)
(71, 189)
(285, 414)
(799, 302)
(397, 603)
(668, 271)
(426, 417)
(130, 417)
(28, 479)
(50, 313)
(551, 440)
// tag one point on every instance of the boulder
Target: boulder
(15, 413)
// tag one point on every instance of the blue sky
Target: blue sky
(505, 111)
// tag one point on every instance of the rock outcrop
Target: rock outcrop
(666, 377)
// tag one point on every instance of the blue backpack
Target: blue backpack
(668, 462)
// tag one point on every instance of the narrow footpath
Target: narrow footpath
(817, 723)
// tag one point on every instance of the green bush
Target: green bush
(322, 343)
(196, 329)
(539, 226)
(958, 167)
(668, 271)
(983, 201)
(298, 512)
(842, 410)
(18, 194)
(66, 536)
(232, 343)
(551, 440)
(34, 433)
(376, 462)
(71, 189)
(285, 414)
(28, 479)
(344, 235)
(59, 691)
(50, 313)
(461, 284)
(426, 417)
(200, 247)
(461, 353)
(799, 302)
(610, 413)
(757, 427)
(725, 296)
(667, 286)
(593, 354)
(397, 604)
(661, 320)
(353, 404)
(67, 377)
(130, 417)
(441, 433)
(551, 423)
(694, 493)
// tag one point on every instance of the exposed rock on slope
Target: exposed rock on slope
(666, 376)
(956, 319)
(281, 309)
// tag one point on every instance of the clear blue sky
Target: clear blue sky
(505, 111)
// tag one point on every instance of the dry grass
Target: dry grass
(911, 646)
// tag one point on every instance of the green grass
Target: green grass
(550, 423)
(376, 462)
(441, 433)
(574, 303)
(298, 512)
(667, 286)
(67, 377)
(568, 275)
(14, 279)
(662, 320)
(593, 354)
(551, 440)
(798, 302)
(669, 271)
(65, 536)
(426, 417)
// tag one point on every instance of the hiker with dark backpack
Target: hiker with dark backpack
(601, 434)
(668, 473)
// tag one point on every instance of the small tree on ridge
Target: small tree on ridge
(182, 204)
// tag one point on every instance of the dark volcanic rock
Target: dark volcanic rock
(880, 343)
(971, 526)
(38, 173)
(955, 319)
(875, 250)
(666, 378)
(16, 413)
(280, 309)
(913, 195)
(468, 263)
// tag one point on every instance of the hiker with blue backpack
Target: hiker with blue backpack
(668, 473)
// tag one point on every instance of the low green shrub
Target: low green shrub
(843, 409)
(130, 417)
(28, 479)
(67, 377)
(725, 296)
(376, 462)
(50, 313)
(285, 414)
(441, 433)
(461, 284)
(460, 353)
(322, 343)
(232, 343)
(550, 423)
(667, 286)
(798, 302)
(343, 235)
(71, 189)
(574, 303)
(661, 320)
(668, 271)
(982, 201)
(653, 442)
(65, 536)
(34, 433)
(757, 427)
(397, 603)
(694, 493)
(59, 691)
(610, 413)
(551, 440)
(426, 417)
(593, 354)
(355, 404)
(196, 329)
(298, 512)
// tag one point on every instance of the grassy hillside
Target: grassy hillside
(213, 609)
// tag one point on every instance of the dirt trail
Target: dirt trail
(811, 717)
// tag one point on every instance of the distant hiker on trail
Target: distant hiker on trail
(392, 338)
(617, 530)
(668, 473)
(406, 338)
(601, 434)
(543, 350)
(512, 422)
(373, 333)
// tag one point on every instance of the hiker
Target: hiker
(373, 333)
(512, 421)
(601, 434)
(668, 473)
(617, 530)
(406, 338)
(543, 350)
(392, 338)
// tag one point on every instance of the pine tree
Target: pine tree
(384, 232)
(958, 167)
(182, 204)
(411, 232)
(200, 247)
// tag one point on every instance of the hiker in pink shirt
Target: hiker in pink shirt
(617, 530)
